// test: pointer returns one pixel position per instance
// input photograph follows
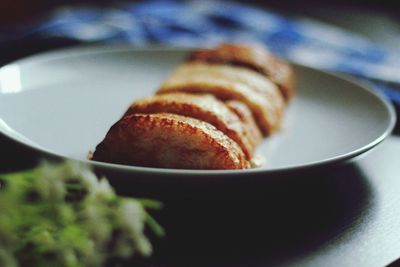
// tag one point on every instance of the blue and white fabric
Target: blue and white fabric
(205, 23)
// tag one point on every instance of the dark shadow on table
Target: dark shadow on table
(15, 156)
(260, 223)
(396, 130)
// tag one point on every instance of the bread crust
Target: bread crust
(254, 57)
(169, 141)
(204, 107)
(246, 117)
(231, 83)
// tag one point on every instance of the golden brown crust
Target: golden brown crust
(253, 57)
(231, 83)
(204, 107)
(169, 141)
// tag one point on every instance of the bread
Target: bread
(203, 107)
(211, 113)
(253, 57)
(231, 83)
(169, 141)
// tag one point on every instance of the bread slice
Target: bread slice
(204, 107)
(169, 141)
(254, 57)
(231, 83)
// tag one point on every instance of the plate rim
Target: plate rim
(59, 54)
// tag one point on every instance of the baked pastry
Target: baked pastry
(211, 113)
(231, 83)
(203, 107)
(169, 141)
(254, 57)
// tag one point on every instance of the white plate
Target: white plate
(64, 102)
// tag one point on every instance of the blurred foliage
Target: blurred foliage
(63, 215)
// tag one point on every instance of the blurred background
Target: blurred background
(377, 19)
(358, 38)
(358, 14)
(18, 11)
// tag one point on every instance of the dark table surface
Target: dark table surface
(347, 215)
